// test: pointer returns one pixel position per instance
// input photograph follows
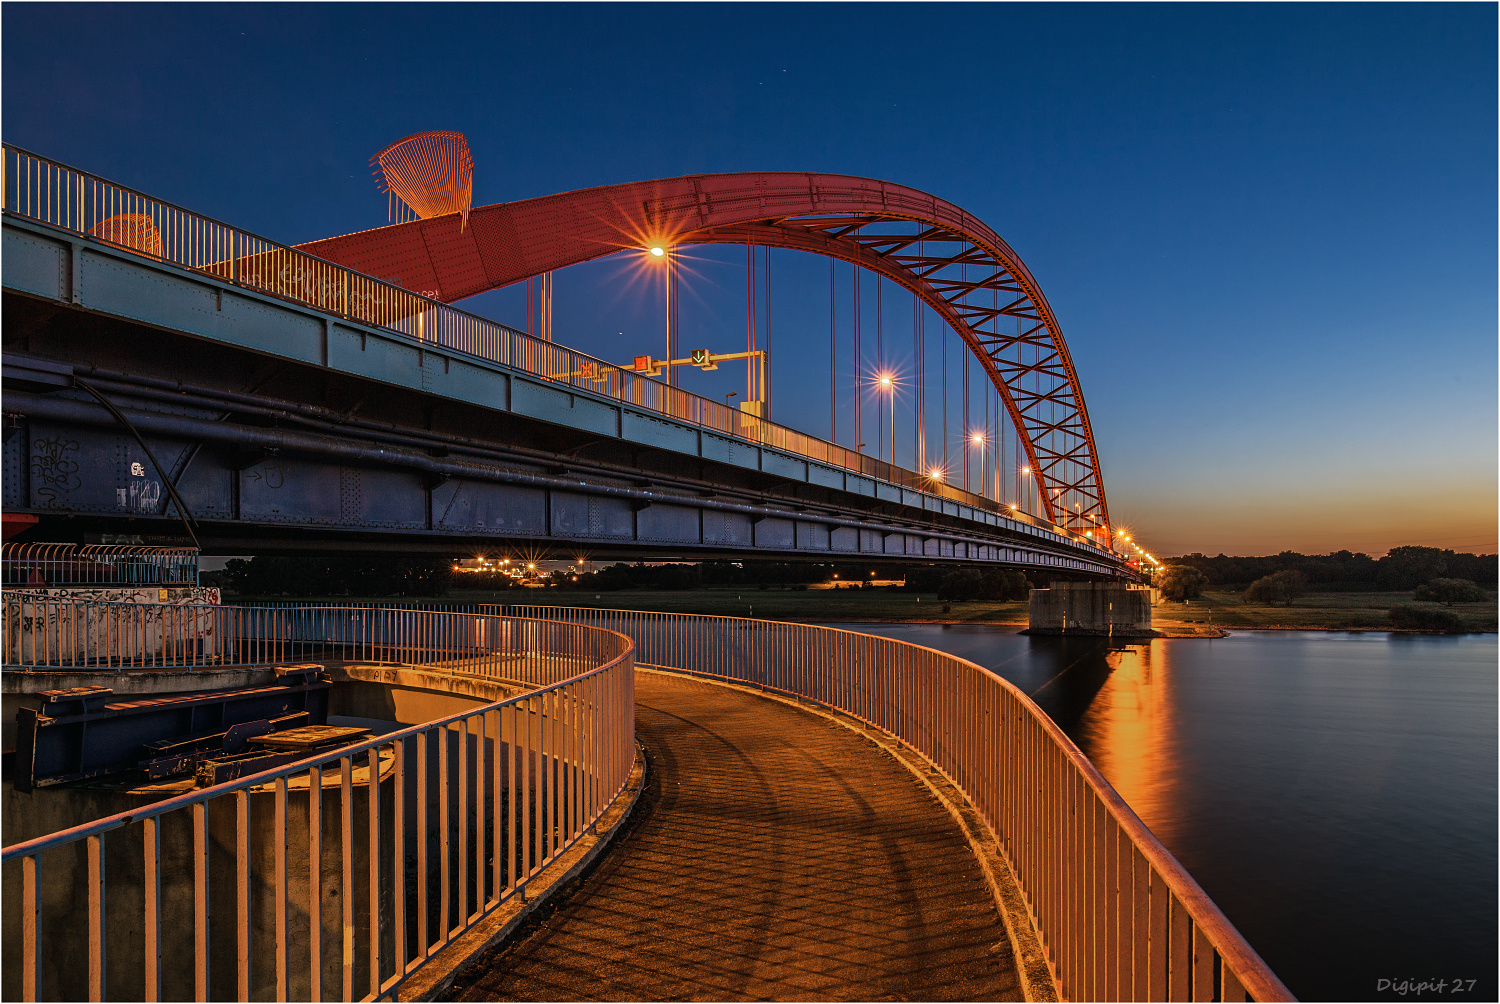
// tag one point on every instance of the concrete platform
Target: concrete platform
(775, 855)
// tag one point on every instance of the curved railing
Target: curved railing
(324, 891)
(1118, 916)
(53, 633)
(97, 565)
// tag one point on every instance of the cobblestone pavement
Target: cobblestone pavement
(774, 856)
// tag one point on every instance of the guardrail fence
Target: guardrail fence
(45, 633)
(97, 565)
(69, 199)
(1119, 917)
(339, 876)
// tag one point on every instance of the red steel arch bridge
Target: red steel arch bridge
(256, 449)
(952, 261)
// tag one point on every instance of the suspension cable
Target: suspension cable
(766, 359)
(919, 342)
(859, 427)
(968, 426)
(833, 408)
(750, 320)
(880, 364)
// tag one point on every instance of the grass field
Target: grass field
(1321, 611)
(1316, 611)
(1214, 610)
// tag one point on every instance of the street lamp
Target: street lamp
(888, 384)
(661, 252)
(977, 439)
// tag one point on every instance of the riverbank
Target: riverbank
(1207, 616)
(1314, 612)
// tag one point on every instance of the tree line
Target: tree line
(1404, 568)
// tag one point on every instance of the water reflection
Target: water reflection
(1335, 794)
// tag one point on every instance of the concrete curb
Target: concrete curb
(437, 973)
(1035, 974)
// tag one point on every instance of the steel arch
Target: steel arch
(924, 244)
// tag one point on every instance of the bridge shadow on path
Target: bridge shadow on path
(774, 855)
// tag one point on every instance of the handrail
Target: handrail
(1118, 915)
(48, 564)
(491, 795)
(104, 825)
(55, 194)
(50, 633)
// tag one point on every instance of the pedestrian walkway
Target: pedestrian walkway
(774, 855)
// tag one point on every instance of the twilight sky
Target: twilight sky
(1268, 231)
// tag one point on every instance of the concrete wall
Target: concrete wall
(1091, 608)
(41, 632)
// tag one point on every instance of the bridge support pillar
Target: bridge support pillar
(1109, 609)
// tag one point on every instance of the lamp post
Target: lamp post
(661, 253)
(977, 439)
(888, 384)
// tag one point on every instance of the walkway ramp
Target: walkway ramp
(775, 855)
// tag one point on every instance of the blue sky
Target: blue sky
(1268, 231)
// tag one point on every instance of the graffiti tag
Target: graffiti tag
(55, 471)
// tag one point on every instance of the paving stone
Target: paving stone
(774, 856)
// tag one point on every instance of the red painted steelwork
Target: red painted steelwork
(873, 224)
(431, 172)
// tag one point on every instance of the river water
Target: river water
(1334, 793)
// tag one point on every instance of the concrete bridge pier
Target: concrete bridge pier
(1109, 609)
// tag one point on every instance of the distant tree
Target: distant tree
(1450, 591)
(927, 579)
(1293, 584)
(1282, 587)
(1409, 618)
(1006, 584)
(1180, 582)
(1408, 567)
(961, 586)
(998, 585)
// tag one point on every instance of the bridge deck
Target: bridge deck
(775, 856)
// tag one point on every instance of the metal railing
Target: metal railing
(45, 633)
(48, 192)
(97, 565)
(338, 876)
(1118, 916)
